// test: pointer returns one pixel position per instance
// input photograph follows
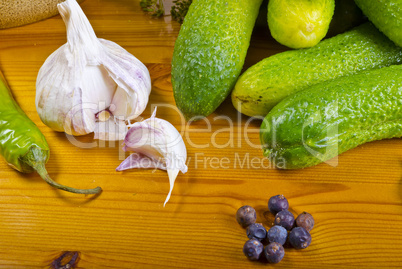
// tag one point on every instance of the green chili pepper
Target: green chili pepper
(22, 144)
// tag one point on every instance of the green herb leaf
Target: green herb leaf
(154, 7)
(179, 9)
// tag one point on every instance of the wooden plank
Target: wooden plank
(356, 203)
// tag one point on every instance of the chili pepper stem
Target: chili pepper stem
(36, 158)
(44, 174)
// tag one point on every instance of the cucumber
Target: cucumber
(299, 23)
(317, 124)
(209, 53)
(266, 83)
(386, 15)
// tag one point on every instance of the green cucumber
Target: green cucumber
(386, 15)
(266, 83)
(317, 124)
(209, 53)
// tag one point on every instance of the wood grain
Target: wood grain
(356, 204)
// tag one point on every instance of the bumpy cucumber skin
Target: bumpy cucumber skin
(329, 118)
(266, 83)
(209, 53)
(386, 15)
(299, 23)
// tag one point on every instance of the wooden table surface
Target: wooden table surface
(355, 200)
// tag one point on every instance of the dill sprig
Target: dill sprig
(179, 9)
(154, 7)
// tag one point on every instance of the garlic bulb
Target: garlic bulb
(157, 144)
(89, 76)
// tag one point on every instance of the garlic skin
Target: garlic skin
(86, 76)
(157, 144)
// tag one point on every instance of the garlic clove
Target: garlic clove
(79, 119)
(99, 88)
(158, 140)
(145, 139)
(139, 160)
(130, 75)
(120, 106)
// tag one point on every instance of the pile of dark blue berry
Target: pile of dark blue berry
(286, 230)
